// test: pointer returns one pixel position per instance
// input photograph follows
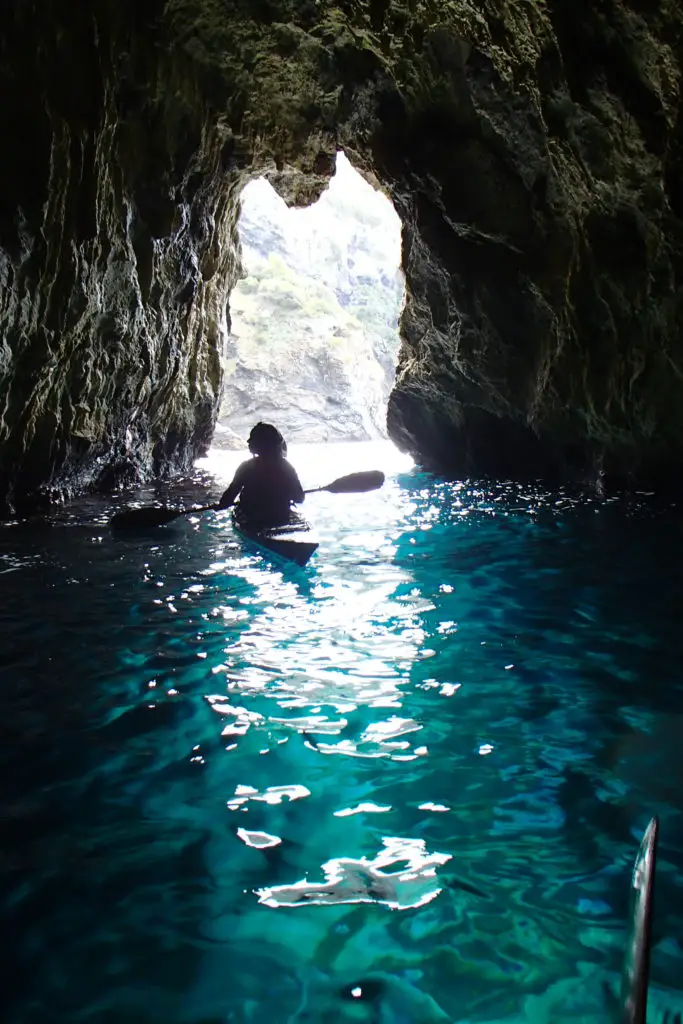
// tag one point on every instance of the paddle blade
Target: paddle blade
(356, 483)
(140, 518)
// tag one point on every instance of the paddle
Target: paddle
(354, 483)
(152, 515)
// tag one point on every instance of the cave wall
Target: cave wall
(543, 244)
(531, 147)
(115, 254)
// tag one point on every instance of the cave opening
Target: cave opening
(314, 339)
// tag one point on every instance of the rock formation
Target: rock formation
(532, 148)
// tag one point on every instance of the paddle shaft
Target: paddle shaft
(203, 508)
(352, 483)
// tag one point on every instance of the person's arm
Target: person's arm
(296, 490)
(229, 496)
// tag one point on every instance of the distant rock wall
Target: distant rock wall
(533, 150)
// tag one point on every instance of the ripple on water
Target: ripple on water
(416, 770)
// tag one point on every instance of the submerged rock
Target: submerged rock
(532, 150)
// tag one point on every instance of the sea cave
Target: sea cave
(428, 771)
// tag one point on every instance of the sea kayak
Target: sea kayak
(293, 540)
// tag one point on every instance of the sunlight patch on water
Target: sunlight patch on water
(363, 880)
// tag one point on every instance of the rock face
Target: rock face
(532, 148)
(117, 245)
(542, 249)
(314, 336)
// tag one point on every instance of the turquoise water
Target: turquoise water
(404, 785)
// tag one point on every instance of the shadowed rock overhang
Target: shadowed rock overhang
(532, 148)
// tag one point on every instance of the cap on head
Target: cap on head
(265, 439)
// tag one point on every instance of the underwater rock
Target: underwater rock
(378, 998)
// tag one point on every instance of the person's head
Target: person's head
(265, 439)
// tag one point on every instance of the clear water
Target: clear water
(404, 785)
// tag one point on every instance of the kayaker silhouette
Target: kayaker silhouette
(267, 484)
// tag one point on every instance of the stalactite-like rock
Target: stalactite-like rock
(532, 149)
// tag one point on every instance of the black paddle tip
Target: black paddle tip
(142, 518)
(356, 483)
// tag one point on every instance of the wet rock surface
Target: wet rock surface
(533, 151)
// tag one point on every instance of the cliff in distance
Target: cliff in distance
(314, 323)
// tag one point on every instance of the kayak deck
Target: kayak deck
(293, 540)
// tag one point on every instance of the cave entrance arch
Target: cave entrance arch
(314, 338)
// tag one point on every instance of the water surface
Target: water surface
(404, 785)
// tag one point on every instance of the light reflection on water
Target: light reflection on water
(235, 787)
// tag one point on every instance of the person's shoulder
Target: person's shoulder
(245, 467)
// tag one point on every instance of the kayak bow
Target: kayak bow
(293, 540)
